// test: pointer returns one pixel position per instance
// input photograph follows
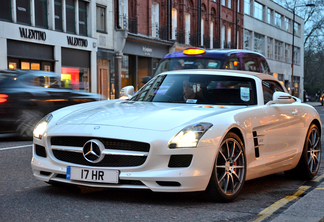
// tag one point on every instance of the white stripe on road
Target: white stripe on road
(15, 147)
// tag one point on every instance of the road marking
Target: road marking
(318, 179)
(15, 147)
(319, 188)
(280, 203)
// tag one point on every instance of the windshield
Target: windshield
(198, 89)
(189, 63)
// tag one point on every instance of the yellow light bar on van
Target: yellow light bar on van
(193, 51)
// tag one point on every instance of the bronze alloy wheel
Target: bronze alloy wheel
(310, 159)
(313, 150)
(229, 170)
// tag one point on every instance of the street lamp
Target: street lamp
(293, 46)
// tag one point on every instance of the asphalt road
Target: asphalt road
(23, 198)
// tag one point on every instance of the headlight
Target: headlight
(189, 136)
(41, 126)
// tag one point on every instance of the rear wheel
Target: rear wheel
(310, 159)
(229, 170)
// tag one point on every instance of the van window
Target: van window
(233, 64)
(264, 66)
(251, 64)
(189, 63)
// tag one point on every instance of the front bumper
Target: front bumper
(155, 174)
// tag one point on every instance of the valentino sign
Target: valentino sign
(77, 41)
(32, 34)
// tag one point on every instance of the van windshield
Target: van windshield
(189, 63)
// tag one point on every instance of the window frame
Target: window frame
(99, 19)
(5, 18)
(85, 13)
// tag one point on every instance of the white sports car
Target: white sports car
(188, 130)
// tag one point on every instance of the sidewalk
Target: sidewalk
(314, 103)
(308, 208)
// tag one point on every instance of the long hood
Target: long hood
(143, 115)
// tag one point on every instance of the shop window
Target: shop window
(5, 10)
(76, 78)
(23, 12)
(47, 68)
(83, 18)
(101, 19)
(41, 13)
(70, 16)
(35, 66)
(58, 15)
(25, 65)
(12, 65)
(125, 76)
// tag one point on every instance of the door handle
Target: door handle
(295, 111)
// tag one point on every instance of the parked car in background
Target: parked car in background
(197, 58)
(184, 131)
(28, 95)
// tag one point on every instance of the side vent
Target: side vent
(258, 141)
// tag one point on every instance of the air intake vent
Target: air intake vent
(180, 160)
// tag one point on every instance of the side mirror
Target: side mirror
(126, 92)
(282, 98)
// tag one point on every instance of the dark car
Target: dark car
(27, 95)
(197, 58)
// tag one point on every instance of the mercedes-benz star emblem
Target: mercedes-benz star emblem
(92, 151)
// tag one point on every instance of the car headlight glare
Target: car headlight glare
(189, 136)
(41, 126)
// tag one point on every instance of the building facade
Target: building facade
(268, 29)
(70, 37)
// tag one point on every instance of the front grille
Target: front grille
(180, 160)
(109, 143)
(108, 160)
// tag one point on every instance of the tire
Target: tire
(26, 122)
(229, 170)
(310, 159)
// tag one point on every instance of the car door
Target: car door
(283, 131)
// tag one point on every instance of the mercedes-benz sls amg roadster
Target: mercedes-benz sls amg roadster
(183, 131)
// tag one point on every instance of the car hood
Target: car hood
(143, 115)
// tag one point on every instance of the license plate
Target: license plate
(92, 174)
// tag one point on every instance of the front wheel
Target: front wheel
(229, 170)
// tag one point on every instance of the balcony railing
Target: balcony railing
(216, 43)
(229, 45)
(132, 28)
(207, 42)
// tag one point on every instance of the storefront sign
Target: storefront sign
(77, 41)
(32, 34)
(146, 50)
